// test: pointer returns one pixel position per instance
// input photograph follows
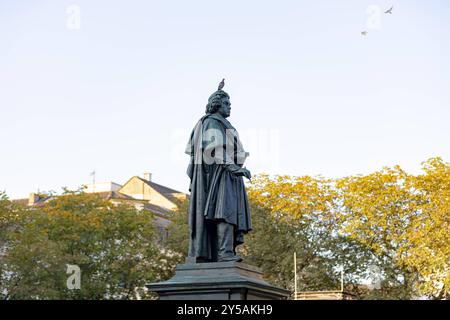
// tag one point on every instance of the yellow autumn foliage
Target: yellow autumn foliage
(401, 218)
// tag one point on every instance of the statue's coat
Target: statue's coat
(216, 193)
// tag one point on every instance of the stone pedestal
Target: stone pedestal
(217, 281)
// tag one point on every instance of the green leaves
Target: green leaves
(114, 246)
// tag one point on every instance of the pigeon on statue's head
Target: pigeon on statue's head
(221, 84)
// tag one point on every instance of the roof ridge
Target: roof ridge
(151, 184)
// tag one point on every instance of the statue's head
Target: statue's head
(219, 102)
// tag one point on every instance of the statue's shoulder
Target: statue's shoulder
(211, 120)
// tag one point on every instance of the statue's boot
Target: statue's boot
(225, 245)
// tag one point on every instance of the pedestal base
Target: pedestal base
(217, 281)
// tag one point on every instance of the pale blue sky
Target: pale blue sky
(117, 94)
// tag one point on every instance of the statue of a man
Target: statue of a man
(219, 212)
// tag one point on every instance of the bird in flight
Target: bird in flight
(364, 33)
(389, 11)
(221, 84)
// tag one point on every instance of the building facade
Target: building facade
(140, 192)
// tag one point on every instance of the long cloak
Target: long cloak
(217, 194)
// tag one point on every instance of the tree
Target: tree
(429, 252)
(376, 211)
(295, 214)
(115, 247)
(404, 220)
(177, 241)
(271, 246)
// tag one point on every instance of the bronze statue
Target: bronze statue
(219, 212)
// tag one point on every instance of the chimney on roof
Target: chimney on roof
(33, 198)
(147, 176)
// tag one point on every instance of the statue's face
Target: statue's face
(225, 109)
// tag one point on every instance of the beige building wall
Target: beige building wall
(138, 189)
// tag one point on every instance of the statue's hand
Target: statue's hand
(248, 174)
(244, 172)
